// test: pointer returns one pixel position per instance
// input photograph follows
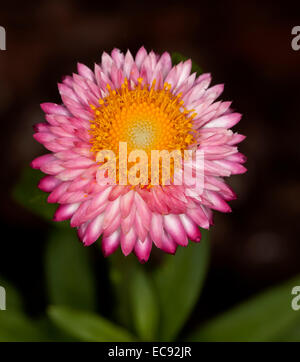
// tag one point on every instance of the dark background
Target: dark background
(246, 45)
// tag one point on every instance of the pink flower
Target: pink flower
(149, 104)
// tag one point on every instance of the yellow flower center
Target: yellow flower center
(144, 117)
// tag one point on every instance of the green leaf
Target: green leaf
(177, 58)
(16, 327)
(266, 317)
(136, 305)
(120, 274)
(27, 194)
(87, 326)
(291, 334)
(52, 332)
(144, 305)
(179, 282)
(70, 278)
(12, 296)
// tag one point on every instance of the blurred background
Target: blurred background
(246, 45)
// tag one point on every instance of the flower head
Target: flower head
(143, 104)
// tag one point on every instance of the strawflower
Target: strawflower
(148, 104)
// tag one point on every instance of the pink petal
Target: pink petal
(118, 57)
(106, 63)
(175, 229)
(227, 121)
(110, 243)
(168, 245)
(128, 63)
(65, 212)
(38, 162)
(140, 227)
(191, 228)
(126, 203)
(111, 212)
(93, 230)
(54, 108)
(52, 167)
(128, 241)
(199, 217)
(156, 229)
(142, 249)
(85, 72)
(140, 56)
(114, 225)
(48, 183)
(58, 192)
(128, 222)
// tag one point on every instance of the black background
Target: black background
(244, 44)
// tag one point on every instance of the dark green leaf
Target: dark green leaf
(144, 305)
(291, 334)
(70, 278)
(120, 274)
(87, 326)
(27, 194)
(267, 317)
(179, 281)
(11, 295)
(16, 327)
(52, 332)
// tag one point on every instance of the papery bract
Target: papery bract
(146, 102)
